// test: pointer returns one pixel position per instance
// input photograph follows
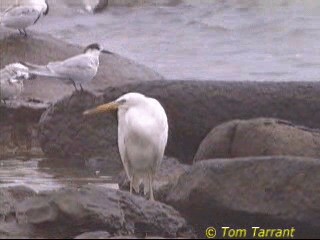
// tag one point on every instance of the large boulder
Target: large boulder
(259, 137)
(193, 109)
(268, 192)
(68, 213)
(165, 179)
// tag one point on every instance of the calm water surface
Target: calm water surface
(39, 175)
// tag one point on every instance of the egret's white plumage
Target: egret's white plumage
(21, 16)
(76, 70)
(142, 137)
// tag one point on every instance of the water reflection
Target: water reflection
(41, 175)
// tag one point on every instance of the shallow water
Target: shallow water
(275, 40)
(39, 175)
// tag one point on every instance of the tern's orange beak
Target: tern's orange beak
(102, 108)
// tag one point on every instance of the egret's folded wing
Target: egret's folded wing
(123, 153)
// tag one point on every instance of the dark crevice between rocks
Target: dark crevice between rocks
(19, 129)
(233, 135)
(287, 123)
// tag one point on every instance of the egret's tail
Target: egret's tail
(38, 70)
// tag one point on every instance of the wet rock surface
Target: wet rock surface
(71, 212)
(94, 235)
(259, 137)
(9, 198)
(193, 109)
(165, 179)
(19, 127)
(269, 192)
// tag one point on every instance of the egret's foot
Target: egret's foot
(150, 188)
(131, 185)
(152, 198)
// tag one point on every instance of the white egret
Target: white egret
(142, 137)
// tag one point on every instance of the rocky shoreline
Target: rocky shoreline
(239, 153)
(193, 109)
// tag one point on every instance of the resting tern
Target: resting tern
(20, 16)
(76, 70)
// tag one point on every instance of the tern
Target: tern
(23, 15)
(76, 70)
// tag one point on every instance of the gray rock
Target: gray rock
(166, 178)
(70, 212)
(18, 127)
(259, 137)
(270, 192)
(193, 109)
(94, 235)
(123, 237)
(9, 197)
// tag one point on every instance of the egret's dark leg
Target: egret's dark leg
(150, 186)
(131, 184)
(20, 32)
(81, 88)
